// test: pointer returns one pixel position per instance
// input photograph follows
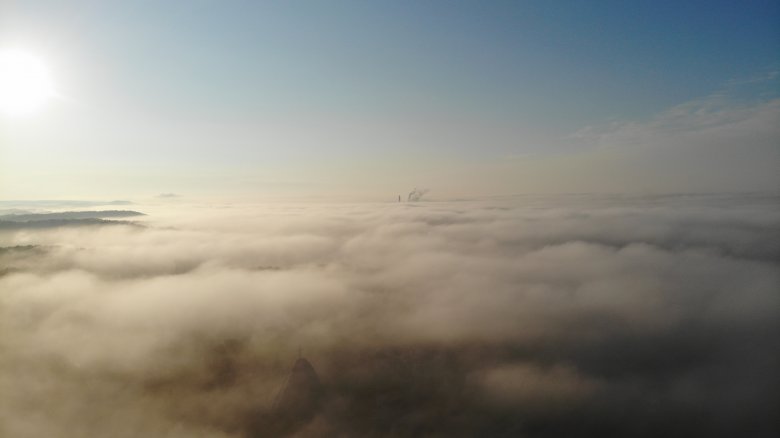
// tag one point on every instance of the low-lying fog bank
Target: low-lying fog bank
(530, 316)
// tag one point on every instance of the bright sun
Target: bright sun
(25, 84)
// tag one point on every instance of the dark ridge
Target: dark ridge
(67, 215)
(18, 249)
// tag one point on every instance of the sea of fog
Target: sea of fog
(520, 316)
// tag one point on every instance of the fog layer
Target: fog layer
(563, 316)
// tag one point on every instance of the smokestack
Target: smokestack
(416, 194)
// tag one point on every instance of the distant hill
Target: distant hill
(67, 215)
(54, 223)
(65, 219)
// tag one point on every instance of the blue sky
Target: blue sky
(279, 88)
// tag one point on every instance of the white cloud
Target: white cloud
(717, 143)
(202, 310)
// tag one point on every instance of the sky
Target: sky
(372, 99)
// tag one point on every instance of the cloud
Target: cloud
(715, 143)
(516, 317)
(534, 387)
(724, 142)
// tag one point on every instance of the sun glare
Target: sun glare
(25, 84)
